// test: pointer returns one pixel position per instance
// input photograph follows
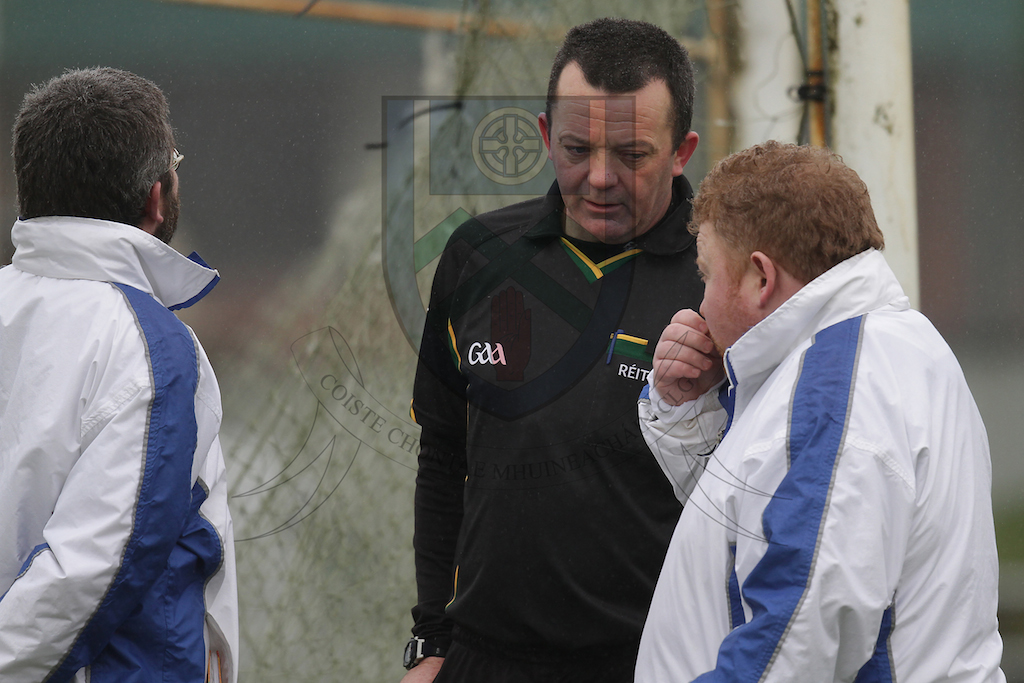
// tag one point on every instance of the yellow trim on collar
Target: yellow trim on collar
(583, 257)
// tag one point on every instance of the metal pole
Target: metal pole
(816, 75)
(384, 14)
(721, 124)
(390, 14)
(873, 124)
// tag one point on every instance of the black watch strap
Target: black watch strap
(417, 649)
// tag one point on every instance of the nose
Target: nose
(602, 173)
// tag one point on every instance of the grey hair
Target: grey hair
(91, 143)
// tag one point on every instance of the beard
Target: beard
(172, 207)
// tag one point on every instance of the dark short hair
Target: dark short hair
(800, 205)
(91, 143)
(622, 56)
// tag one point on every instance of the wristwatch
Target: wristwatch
(417, 648)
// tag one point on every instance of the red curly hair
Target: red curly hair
(800, 205)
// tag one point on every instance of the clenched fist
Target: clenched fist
(686, 364)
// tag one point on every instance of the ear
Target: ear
(151, 214)
(684, 152)
(768, 273)
(545, 132)
(775, 283)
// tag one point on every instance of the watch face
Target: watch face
(409, 659)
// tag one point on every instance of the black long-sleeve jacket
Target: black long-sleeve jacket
(541, 517)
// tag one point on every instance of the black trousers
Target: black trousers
(465, 665)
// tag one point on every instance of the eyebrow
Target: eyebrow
(639, 143)
(573, 139)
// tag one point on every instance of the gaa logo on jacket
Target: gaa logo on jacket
(483, 353)
(509, 347)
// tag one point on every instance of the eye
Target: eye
(576, 150)
(633, 156)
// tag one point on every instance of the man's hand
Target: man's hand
(686, 364)
(425, 671)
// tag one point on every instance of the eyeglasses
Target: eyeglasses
(176, 158)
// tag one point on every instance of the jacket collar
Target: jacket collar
(669, 236)
(88, 249)
(859, 285)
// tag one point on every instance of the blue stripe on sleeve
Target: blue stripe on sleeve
(736, 616)
(879, 668)
(28, 563)
(792, 520)
(164, 495)
(163, 638)
(31, 556)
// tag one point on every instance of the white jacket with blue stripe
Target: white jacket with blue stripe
(116, 548)
(842, 530)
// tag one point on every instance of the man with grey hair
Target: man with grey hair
(116, 547)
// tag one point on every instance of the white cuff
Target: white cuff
(663, 410)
